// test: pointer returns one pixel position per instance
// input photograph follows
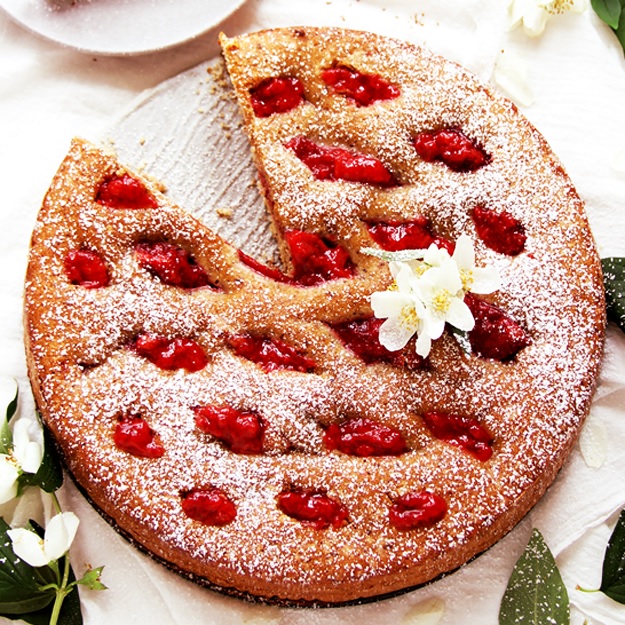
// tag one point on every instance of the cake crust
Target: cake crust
(85, 375)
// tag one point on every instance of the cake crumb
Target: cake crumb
(224, 212)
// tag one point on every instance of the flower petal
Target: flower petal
(534, 21)
(389, 303)
(460, 315)
(485, 280)
(28, 444)
(8, 478)
(28, 546)
(60, 534)
(394, 334)
(464, 254)
(424, 345)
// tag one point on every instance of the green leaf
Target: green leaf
(535, 594)
(70, 610)
(614, 281)
(19, 588)
(8, 396)
(620, 33)
(49, 477)
(613, 576)
(91, 579)
(609, 11)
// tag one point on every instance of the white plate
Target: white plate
(120, 26)
(187, 133)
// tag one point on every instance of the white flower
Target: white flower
(58, 537)
(24, 447)
(533, 14)
(428, 292)
(9, 473)
(403, 309)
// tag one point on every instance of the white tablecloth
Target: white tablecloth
(576, 76)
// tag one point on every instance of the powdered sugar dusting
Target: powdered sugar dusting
(86, 376)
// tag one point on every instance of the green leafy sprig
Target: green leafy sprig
(612, 12)
(41, 595)
(536, 593)
(613, 572)
(614, 281)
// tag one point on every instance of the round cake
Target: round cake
(247, 424)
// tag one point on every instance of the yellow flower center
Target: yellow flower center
(441, 301)
(559, 6)
(409, 318)
(466, 276)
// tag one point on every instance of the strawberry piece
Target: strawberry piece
(171, 354)
(242, 432)
(268, 272)
(313, 508)
(316, 260)
(361, 336)
(452, 147)
(135, 436)
(364, 437)
(210, 506)
(87, 269)
(276, 95)
(461, 431)
(124, 191)
(270, 354)
(495, 334)
(416, 234)
(499, 231)
(364, 89)
(172, 265)
(417, 509)
(333, 163)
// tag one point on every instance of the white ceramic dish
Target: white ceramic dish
(118, 27)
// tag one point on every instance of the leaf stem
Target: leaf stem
(62, 591)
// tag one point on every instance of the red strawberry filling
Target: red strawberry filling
(452, 147)
(268, 272)
(242, 432)
(461, 431)
(316, 260)
(499, 231)
(171, 354)
(313, 508)
(210, 506)
(417, 509)
(364, 89)
(416, 234)
(270, 354)
(276, 95)
(495, 334)
(87, 269)
(361, 336)
(135, 436)
(333, 163)
(171, 265)
(124, 191)
(363, 437)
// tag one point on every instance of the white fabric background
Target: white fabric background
(576, 75)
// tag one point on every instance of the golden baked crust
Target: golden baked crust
(84, 374)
